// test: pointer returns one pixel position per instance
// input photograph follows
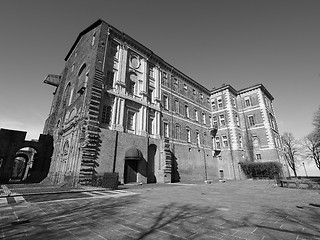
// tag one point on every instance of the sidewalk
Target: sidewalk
(39, 189)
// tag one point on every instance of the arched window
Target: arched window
(65, 148)
(255, 141)
(132, 84)
(188, 134)
(66, 95)
(81, 70)
(82, 78)
(178, 131)
(198, 138)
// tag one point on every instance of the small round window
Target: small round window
(135, 61)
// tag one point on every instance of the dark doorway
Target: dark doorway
(152, 149)
(175, 176)
(130, 171)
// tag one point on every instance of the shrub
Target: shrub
(261, 169)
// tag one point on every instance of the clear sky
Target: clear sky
(241, 43)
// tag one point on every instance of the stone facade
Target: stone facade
(115, 94)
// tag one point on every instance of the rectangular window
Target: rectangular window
(131, 121)
(214, 121)
(203, 118)
(164, 78)
(176, 84)
(194, 92)
(132, 87)
(186, 111)
(113, 50)
(110, 78)
(151, 72)
(165, 102)
(247, 101)
(219, 100)
(188, 135)
(185, 87)
(240, 141)
(237, 120)
(196, 115)
(251, 120)
(178, 132)
(151, 95)
(258, 156)
(272, 121)
(93, 39)
(201, 96)
(225, 141)
(176, 106)
(222, 120)
(218, 145)
(198, 138)
(165, 129)
(150, 125)
(213, 105)
(106, 114)
(234, 103)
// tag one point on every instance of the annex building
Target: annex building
(119, 107)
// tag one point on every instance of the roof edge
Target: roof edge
(92, 26)
(261, 86)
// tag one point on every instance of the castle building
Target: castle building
(118, 107)
(247, 128)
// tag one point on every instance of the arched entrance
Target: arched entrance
(132, 159)
(22, 164)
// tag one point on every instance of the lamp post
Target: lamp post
(305, 170)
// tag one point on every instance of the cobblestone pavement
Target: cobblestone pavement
(232, 210)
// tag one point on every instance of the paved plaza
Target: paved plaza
(232, 210)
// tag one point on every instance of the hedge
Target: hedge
(261, 169)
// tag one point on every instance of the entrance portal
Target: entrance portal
(132, 160)
(130, 171)
(22, 164)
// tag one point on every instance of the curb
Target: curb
(44, 193)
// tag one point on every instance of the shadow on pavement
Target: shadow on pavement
(127, 218)
(192, 222)
(68, 221)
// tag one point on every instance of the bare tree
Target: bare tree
(291, 151)
(316, 121)
(312, 145)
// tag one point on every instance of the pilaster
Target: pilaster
(121, 78)
(119, 126)
(157, 78)
(265, 119)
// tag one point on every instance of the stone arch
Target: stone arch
(22, 163)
